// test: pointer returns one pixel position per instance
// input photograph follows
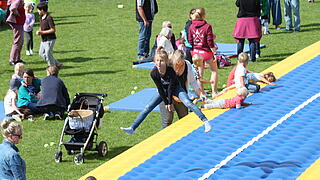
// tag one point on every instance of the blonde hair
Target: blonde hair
(162, 54)
(165, 24)
(197, 58)
(177, 58)
(53, 70)
(165, 32)
(243, 57)
(199, 14)
(243, 91)
(19, 69)
(9, 127)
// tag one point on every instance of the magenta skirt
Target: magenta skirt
(247, 28)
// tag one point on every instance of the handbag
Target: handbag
(81, 118)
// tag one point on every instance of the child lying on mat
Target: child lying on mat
(267, 78)
(235, 102)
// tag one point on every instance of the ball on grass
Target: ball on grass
(132, 92)
(224, 85)
(45, 145)
(135, 88)
(51, 143)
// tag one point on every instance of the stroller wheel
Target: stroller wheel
(102, 149)
(78, 159)
(58, 157)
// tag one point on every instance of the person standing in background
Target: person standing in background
(145, 11)
(16, 20)
(289, 7)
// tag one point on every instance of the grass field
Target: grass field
(97, 44)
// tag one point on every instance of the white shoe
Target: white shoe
(257, 56)
(27, 52)
(31, 52)
(207, 126)
(128, 130)
(16, 117)
(46, 116)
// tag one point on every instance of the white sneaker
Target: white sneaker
(27, 52)
(31, 52)
(257, 56)
(46, 116)
(16, 117)
(207, 126)
(128, 130)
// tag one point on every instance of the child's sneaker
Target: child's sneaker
(207, 126)
(46, 116)
(27, 52)
(128, 130)
(57, 116)
(31, 52)
(30, 118)
(16, 117)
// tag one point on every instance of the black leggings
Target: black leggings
(29, 38)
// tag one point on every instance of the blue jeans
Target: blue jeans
(289, 6)
(253, 88)
(144, 39)
(252, 45)
(275, 7)
(155, 101)
(183, 96)
(34, 108)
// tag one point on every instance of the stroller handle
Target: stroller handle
(92, 94)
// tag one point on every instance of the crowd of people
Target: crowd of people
(178, 73)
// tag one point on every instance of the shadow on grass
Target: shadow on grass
(45, 68)
(4, 27)
(68, 23)
(275, 57)
(113, 152)
(64, 52)
(65, 17)
(81, 59)
(92, 72)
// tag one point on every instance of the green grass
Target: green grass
(97, 43)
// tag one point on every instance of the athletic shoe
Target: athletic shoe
(128, 130)
(31, 52)
(30, 118)
(207, 126)
(46, 116)
(57, 116)
(16, 117)
(12, 63)
(27, 52)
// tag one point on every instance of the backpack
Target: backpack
(223, 60)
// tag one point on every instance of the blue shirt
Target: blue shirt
(12, 166)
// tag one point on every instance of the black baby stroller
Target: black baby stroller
(81, 124)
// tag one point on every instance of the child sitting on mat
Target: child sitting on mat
(235, 102)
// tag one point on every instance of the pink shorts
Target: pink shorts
(205, 54)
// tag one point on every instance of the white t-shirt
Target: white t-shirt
(8, 100)
(166, 44)
(240, 71)
(254, 77)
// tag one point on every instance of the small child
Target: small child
(267, 78)
(240, 79)
(28, 27)
(235, 102)
(10, 100)
(265, 16)
(180, 43)
(18, 71)
(47, 31)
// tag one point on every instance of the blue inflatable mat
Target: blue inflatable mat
(227, 49)
(284, 152)
(135, 102)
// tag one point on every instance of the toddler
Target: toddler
(235, 102)
(27, 27)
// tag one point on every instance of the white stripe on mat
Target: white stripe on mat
(253, 140)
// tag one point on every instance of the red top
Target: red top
(200, 35)
(233, 102)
